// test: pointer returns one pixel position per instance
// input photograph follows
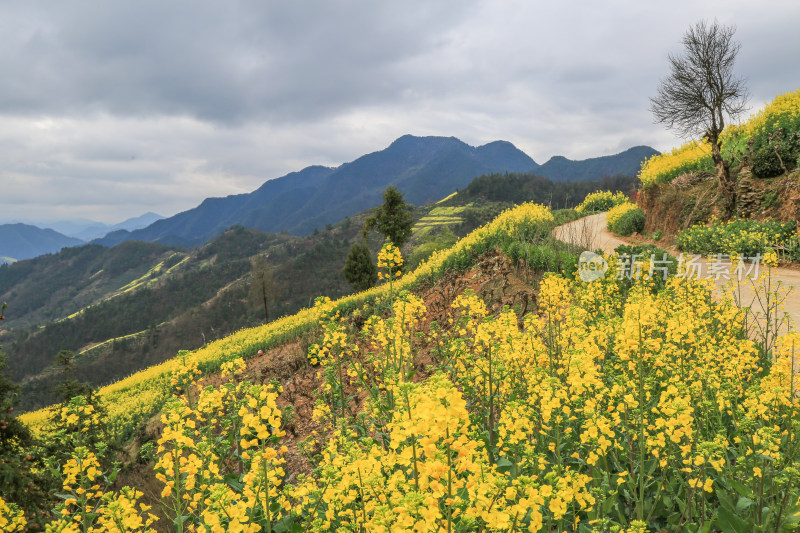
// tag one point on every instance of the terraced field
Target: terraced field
(440, 216)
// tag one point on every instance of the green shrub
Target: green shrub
(766, 163)
(564, 216)
(746, 237)
(629, 223)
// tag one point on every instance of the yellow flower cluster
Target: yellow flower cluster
(334, 343)
(230, 431)
(78, 419)
(87, 508)
(744, 237)
(229, 369)
(390, 260)
(601, 201)
(185, 376)
(122, 513)
(690, 157)
(12, 519)
(617, 211)
(433, 473)
(569, 414)
(391, 339)
(782, 112)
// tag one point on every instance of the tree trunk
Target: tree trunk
(266, 309)
(727, 186)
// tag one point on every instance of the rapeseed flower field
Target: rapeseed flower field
(610, 408)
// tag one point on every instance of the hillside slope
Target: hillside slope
(124, 308)
(476, 384)
(130, 399)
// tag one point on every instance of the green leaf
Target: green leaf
(650, 469)
(741, 488)
(233, 481)
(287, 524)
(504, 465)
(725, 500)
(608, 505)
(729, 522)
(743, 504)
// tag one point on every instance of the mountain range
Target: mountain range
(425, 169)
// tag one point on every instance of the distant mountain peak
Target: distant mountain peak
(410, 138)
(424, 168)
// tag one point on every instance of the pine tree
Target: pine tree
(392, 219)
(359, 268)
(69, 386)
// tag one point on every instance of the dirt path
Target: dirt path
(591, 233)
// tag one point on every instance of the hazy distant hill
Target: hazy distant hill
(627, 163)
(98, 229)
(424, 168)
(22, 241)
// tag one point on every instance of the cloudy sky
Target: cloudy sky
(111, 109)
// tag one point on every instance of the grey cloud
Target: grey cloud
(156, 105)
(221, 62)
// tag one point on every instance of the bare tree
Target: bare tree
(701, 91)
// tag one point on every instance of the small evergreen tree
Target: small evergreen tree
(392, 219)
(359, 268)
(69, 386)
